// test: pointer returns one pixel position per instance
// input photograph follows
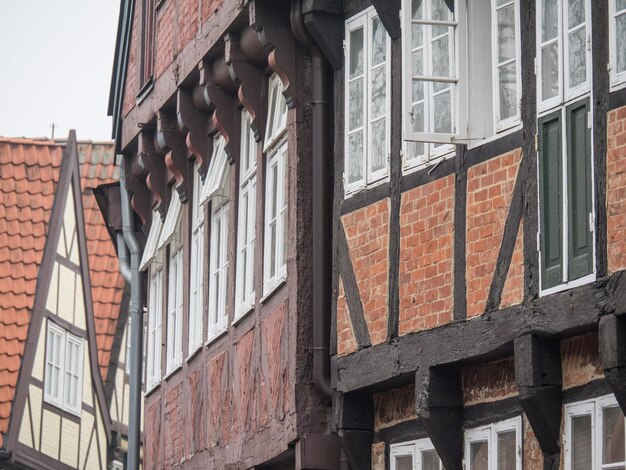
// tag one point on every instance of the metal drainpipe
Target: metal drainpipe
(136, 328)
(122, 255)
(322, 192)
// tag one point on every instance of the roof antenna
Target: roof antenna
(53, 125)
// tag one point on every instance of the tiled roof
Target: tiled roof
(97, 166)
(29, 173)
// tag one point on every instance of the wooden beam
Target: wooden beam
(171, 143)
(195, 124)
(354, 424)
(389, 14)
(612, 339)
(156, 178)
(439, 406)
(538, 378)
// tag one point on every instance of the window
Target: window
(367, 100)
(147, 44)
(594, 435)
(415, 455)
(276, 191)
(155, 318)
(64, 369)
(566, 220)
(497, 446)
(461, 74)
(175, 306)
(617, 31)
(246, 226)
(196, 304)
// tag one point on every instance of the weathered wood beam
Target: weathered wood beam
(156, 177)
(439, 406)
(389, 14)
(194, 123)
(354, 424)
(612, 339)
(170, 142)
(539, 380)
(327, 31)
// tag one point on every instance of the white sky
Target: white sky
(56, 58)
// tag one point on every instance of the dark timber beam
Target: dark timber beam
(439, 406)
(612, 339)
(539, 380)
(327, 31)
(389, 14)
(354, 421)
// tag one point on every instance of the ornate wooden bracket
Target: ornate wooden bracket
(389, 14)
(354, 421)
(218, 86)
(439, 406)
(612, 339)
(271, 22)
(250, 80)
(156, 173)
(538, 378)
(194, 123)
(171, 143)
(137, 189)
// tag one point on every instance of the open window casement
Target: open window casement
(214, 183)
(171, 221)
(617, 48)
(434, 76)
(150, 250)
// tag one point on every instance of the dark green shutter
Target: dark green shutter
(579, 196)
(551, 190)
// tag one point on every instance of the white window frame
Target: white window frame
(218, 316)
(196, 267)
(489, 434)
(246, 225)
(565, 93)
(278, 158)
(155, 319)
(174, 347)
(59, 397)
(413, 449)
(276, 113)
(512, 121)
(618, 79)
(594, 408)
(364, 21)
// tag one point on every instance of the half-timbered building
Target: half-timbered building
(63, 310)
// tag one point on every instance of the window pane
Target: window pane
(417, 117)
(612, 435)
(404, 462)
(479, 455)
(355, 157)
(550, 20)
(378, 92)
(441, 57)
(378, 42)
(430, 460)
(355, 104)
(550, 71)
(620, 46)
(576, 12)
(356, 52)
(440, 10)
(577, 57)
(506, 33)
(621, 5)
(443, 112)
(417, 35)
(507, 450)
(508, 90)
(417, 10)
(581, 442)
(378, 155)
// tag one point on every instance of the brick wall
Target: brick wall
(580, 360)
(616, 189)
(426, 255)
(209, 7)
(152, 430)
(346, 342)
(533, 456)
(367, 231)
(489, 382)
(489, 189)
(174, 427)
(164, 37)
(513, 292)
(130, 87)
(187, 22)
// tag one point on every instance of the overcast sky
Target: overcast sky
(56, 58)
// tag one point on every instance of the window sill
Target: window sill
(71, 411)
(510, 129)
(173, 370)
(431, 164)
(145, 91)
(242, 312)
(151, 388)
(216, 335)
(194, 352)
(273, 288)
(348, 193)
(617, 85)
(569, 285)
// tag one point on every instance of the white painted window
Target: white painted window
(64, 369)
(497, 446)
(175, 307)
(155, 318)
(564, 51)
(276, 222)
(276, 113)
(196, 268)
(617, 33)
(414, 455)
(367, 101)
(594, 435)
(246, 226)
(218, 271)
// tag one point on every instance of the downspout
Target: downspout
(122, 255)
(133, 247)
(322, 192)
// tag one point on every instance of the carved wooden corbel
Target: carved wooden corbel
(171, 143)
(271, 22)
(612, 339)
(218, 86)
(194, 123)
(138, 192)
(354, 422)
(249, 79)
(156, 173)
(539, 379)
(439, 406)
(389, 14)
